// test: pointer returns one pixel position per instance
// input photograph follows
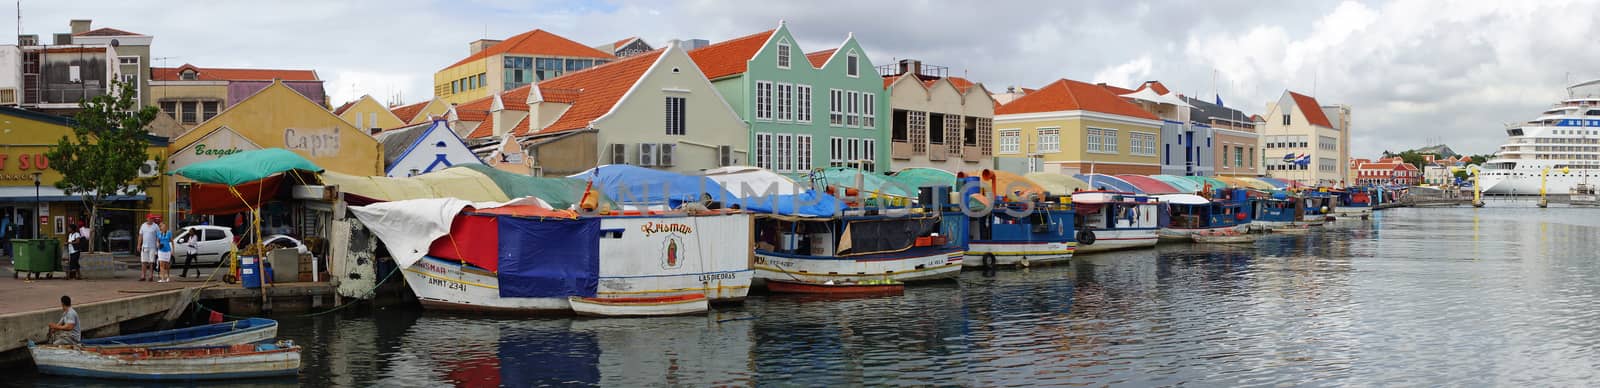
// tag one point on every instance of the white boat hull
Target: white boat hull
(67, 361)
(1118, 239)
(1184, 234)
(599, 308)
(924, 265)
(1013, 253)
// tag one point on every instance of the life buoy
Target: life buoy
(989, 261)
(1086, 237)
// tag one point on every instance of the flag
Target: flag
(1303, 160)
(1219, 100)
(1288, 157)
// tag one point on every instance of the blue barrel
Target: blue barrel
(250, 271)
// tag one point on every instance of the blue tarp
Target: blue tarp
(548, 258)
(806, 204)
(633, 185)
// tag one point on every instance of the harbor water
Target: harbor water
(1452, 296)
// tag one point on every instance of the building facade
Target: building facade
(1304, 143)
(805, 111)
(281, 117)
(1234, 135)
(423, 148)
(368, 114)
(937, 121)
(1073, 127)
(192, 95)
(1385, 171)
(1186, 146)
(54, 76)
(495, 66)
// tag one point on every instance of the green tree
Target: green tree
(102, 156)
(1462, 174)
(1413, 158)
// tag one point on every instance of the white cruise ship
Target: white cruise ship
(1565, 136)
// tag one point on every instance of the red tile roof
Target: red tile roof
(1115, 90)
(961, 84)
(340, 110)
(537, 42)
(516, 99)
(485, 128)
(521, 129)
(474, 110)
(729, 57)
(820, 58)
(408, 112)
(601, 87)
(221, 74)
(1069, 95)
(623, 42)
(1159, 88)
(1311, 109)
(106, 32)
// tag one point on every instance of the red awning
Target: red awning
(212, 199)
(474, 239)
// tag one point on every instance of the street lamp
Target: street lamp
(36, 175)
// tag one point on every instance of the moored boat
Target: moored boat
(244, 331)
(1273, 210)
(1293, 228)
(854, 248)
(1225, 238)
(1189, 214)
(878, 287)
(1319, 206)
(1020, 225)
(684, 304)
(214, 362)
(1111, 220)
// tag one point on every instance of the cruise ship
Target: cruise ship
(1566, 136)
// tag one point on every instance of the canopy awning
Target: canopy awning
(1057, 183)
(236, 169)
(1178, 182)
(925, 177)
(1107, 182)
(1150, 185)
(1183, 199)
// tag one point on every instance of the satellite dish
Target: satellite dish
(116, 43)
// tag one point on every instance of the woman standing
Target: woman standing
(164, 251)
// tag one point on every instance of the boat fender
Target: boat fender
(1023, 262)
(989, 261)
(1086, 237)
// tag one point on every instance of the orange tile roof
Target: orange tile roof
(729, 57)
(408, 112)
(1313, 114)
(1115, 90)
(623, 42)
(516, 99)
(961, 84)
(221, 74)
(474, 110)
(340, 110)
(522, 127)
(485, 128)
(1068, 95)
(601, 87)
(1028, 91)
(820, 58)
(537, 42)
(889, 80)
(1159, 88)
(106, 32)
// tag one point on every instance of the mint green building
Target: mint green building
(806, 111)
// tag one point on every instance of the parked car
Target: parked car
(212, 244)
(284, 241)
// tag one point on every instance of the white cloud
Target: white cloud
(1129, 73)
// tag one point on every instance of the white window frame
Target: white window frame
(854, 148)
(803, 153)
(1102, 140)
(835, 107)
(784, 102)
(784, 153)
(763, 150)
(852, 117)
(852, 64)
(1015, 145)
(1050, 139)
(802, 106)
(869, 110)
(764, 100)
(121, 58)
(869, 151)
(1142, 143)
(675, 105)
(835, 150)
(785, 54)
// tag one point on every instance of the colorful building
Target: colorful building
(423, 148)
(193, 95)
(1073, 127)
(936, 120)
(1385, 171)
(1186, 146)
(1306, 141)
(368, 114)
(1234, 134)
(495, 66)
(25, 136)
(804, 111)
(55, 76)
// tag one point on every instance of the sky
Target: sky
(1414, 72)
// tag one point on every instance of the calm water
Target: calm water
(1415, 297)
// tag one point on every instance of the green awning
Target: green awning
(925, 177)
(872, 183)
(247, 166)
(560, 193)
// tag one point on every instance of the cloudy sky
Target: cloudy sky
(1414, 72)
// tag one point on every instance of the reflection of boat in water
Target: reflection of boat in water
(1225, 238)
(868, 288)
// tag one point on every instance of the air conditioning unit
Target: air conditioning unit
(647, 154)
(150, 169)
(725, 156)
(8, 96)
(619, 154)
(665, 150)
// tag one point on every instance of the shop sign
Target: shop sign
(27, 163)
(222, 142)
(315, 142)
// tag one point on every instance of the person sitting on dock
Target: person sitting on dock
(66, 331)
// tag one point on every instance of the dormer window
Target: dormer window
(189, 75)
(852, 64)
(783, 54)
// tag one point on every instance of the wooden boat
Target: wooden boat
(1296, 229)
(1115, 220)
(1225, 238)
(169, 363)
(1191, 214)
(683, 304)
(245, 331)
(887, 287)
(854, 248)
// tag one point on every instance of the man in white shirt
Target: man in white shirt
(148, 244)
(74, 241)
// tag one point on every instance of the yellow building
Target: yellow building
(421, 112)
(280, 117)
(367, 114)
(191, 94)
(25, 136)
(1073, 127)
(494, 66)
(1307, 141)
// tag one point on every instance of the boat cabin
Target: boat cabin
(1225, 208)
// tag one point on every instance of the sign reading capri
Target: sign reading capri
(316, 142)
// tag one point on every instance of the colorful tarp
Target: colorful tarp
(456, 182)
(1178, 182)
(1057, 183)
(872, 184)
(216, 198)
(633, 185)
(1107, 182)
(1149, 185)
(236, 169)
(1012, 185)
(1204, 180)
(762, 191)
(560, 193)
(750, 181)
(925, 177)
(548, 259)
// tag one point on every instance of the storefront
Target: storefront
(30, 201)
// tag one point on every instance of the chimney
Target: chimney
(480, 45)
(911, 66)
(80, 25)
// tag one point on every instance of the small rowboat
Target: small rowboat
(1225, 238)
(245, 331)
(853, 288)
(170, 363)
(641, 307)
(1294, 229)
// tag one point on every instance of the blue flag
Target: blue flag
(1219, 100)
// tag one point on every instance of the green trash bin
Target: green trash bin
(36, 256)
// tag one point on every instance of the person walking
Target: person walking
(66, 331)
(191, 251)
(164, 251)
(147, 247)
(77, 242)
